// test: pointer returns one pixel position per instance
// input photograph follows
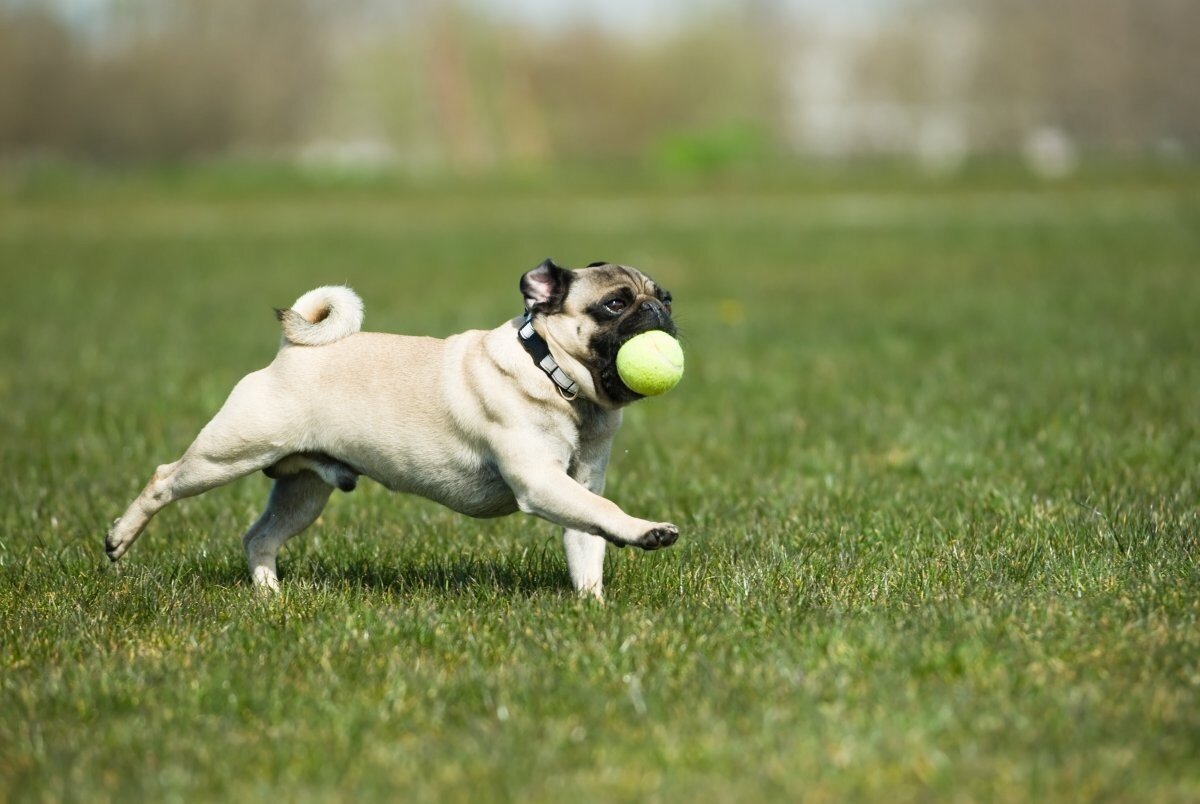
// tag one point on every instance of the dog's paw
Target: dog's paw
(265, 581)
(662, 535)
(113, 549)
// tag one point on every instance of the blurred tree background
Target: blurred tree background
(481, 86)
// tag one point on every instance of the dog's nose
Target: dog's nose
(655, 308)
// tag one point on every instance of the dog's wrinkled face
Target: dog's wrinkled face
(591, 312)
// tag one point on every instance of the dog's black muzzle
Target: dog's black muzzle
(650, 315)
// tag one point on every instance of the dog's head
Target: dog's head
(587, 315)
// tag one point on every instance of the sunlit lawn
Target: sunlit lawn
(936, 461)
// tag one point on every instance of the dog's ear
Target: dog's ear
(545, 287)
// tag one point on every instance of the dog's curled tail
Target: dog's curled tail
(321, 316)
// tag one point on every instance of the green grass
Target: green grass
(936, 462)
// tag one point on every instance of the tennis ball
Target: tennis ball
(650, 363)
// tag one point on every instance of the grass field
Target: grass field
(936, 462)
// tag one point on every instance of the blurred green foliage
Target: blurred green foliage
(468, 88)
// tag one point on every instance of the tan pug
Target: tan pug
(486, 422)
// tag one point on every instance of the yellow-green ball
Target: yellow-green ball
(650, 363)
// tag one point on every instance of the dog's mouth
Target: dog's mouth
(606, 343)
(660, 323)
(606, 376)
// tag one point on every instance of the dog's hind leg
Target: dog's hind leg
(238, 441)
(190, 475)
(296, 501)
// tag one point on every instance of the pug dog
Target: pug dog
(485, 422)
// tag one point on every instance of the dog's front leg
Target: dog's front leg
(543, 488)
(585, 562)
(585, 552)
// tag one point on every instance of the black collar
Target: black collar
(539, 350)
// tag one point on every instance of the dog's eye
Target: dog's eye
(614, 306)
(666, 302)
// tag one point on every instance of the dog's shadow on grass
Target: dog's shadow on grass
(455, 576)
(525, 575)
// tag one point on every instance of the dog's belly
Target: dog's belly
(483, 494)
(476, 489)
